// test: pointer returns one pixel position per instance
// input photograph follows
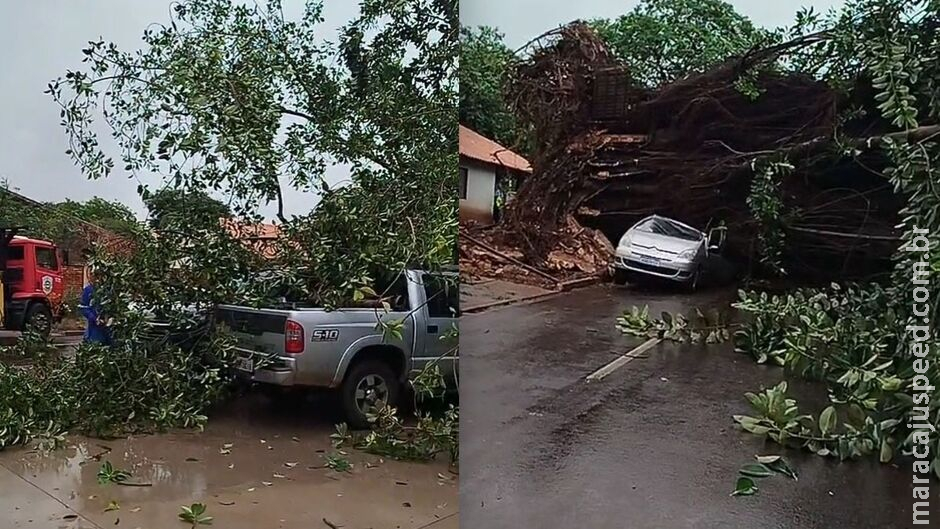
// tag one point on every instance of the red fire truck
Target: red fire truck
(31, 282)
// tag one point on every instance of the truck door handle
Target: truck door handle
(432, 329)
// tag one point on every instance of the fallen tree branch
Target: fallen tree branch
(513, 260)
(846, 235)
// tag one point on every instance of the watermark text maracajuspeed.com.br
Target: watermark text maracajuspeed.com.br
(922, 388)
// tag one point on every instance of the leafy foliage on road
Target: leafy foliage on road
(433, 433)
(873, 345)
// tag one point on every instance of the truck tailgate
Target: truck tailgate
(255, 330)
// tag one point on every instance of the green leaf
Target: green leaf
(751, 424)
(755, 470)
(745, 486)
(827, 420)
(887, 452)
(781, 466)
(767, 459)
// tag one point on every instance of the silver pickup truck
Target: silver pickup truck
(346, 349)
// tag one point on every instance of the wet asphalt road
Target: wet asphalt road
(651, 446)
(258, 465)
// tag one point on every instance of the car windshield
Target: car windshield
(669, 228)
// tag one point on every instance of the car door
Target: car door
(49, 274)
(441, 312)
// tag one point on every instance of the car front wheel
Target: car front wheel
(620, 276)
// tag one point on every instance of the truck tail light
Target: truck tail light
(293, 337)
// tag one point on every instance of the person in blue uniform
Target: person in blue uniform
(96, 330)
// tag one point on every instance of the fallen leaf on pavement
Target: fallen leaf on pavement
(226, 502)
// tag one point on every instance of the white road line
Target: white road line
(623, 360)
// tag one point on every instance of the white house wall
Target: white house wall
(481, 193)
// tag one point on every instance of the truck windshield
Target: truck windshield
(661, 226)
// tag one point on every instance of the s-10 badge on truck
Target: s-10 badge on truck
(325, 335)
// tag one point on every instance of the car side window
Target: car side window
(396, 293)
(46, 258)
(443, 296)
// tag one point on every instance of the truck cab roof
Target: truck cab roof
(19, 240)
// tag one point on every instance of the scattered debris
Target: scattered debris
(688, 150)
(195, 514)
(108, 474)
(331, 525)
(763, 468)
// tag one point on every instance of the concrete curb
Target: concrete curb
(502, 302)
(564, 286)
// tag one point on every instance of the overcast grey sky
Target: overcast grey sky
(522, 20)
(40, 40)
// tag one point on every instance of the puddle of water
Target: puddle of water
(254, 466)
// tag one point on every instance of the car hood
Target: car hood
(663, 243)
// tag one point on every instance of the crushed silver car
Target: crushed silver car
(665, 248)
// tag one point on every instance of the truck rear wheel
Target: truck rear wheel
(38, 319)
(369, 384)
